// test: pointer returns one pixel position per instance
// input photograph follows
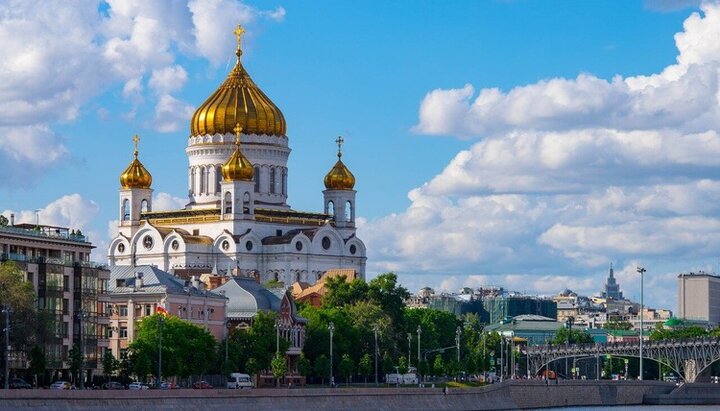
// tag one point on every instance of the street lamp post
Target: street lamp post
(161, 319)
(409, 350)
(277, 338)
(641, 270)
(419, 331)
(375, 330)
(227, 337)
(457, 344)
(331, 327)
(6, 310)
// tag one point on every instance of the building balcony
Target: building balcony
(46, 232)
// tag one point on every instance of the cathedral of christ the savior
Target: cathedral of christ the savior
(237, 220)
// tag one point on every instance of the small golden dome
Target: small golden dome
(136, 175)
(238, 167)
(238, 100)
(339, 177)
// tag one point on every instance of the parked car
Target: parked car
(113, 385)
(138, 386)
(239, 381)
(168, 386)
(61, 385)
(19, 383)
(202, 385)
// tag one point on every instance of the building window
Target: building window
(30, 277)
(326, 243)
(225, 245)
(175, 245)
(66, 282)
(272, 180)
(256, 177)
(284, 181)
(331, 209)
(348, 211)
(148, 242)
(249, 245)
(144, 206)
(126, 210)
(123, 332)
(121, 248)
(202, 180)
(298, 246)
(353, 249)
(123, 310)
(218, 178)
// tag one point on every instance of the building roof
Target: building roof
(154, 280)
(527, 322)
(247, 297)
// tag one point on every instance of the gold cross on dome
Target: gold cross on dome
(237, 131)
(339, 142)
(239, 31)
(136, 140)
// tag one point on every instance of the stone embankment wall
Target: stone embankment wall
(508, 395)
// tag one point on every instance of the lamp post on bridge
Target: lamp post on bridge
(641, 271)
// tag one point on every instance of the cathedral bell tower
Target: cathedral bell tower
(339, 194)
(135, 194)
(237, 186)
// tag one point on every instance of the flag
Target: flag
(161, 310)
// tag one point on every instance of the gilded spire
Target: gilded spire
(136, 175)
(239, 31)
(339, 177)
(238, 167)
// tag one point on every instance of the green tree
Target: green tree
(403, 364)
(259, 340)
(279, 367)
(438, 366)
(322, 367)
(38, 364)
(3, 221)
(388, 366)
(252, 367)
(574, 336)
(618, 325)
(304, 366)
(346, 367)
(187, 348)
(365, 366)
(110, 364)
(660, 333)
(76, 360)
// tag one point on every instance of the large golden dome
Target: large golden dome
(136, 175)
(339, 177)
(238, 100)
(238, 167)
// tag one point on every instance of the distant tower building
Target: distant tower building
(612, 288)
(699, 297)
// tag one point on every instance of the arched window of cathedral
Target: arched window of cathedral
(256, 177)
(144, 206)
(126, 210)
(192, 180)
(277, 277)
(246, 203)
(228, 203)
(218, 178)
(272, 180)
(284, 181)
(202, 180)
(348, 211)
(331, 209)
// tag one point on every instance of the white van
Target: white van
(239, 381)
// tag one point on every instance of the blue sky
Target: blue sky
(517, 143)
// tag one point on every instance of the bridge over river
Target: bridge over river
(690, 358)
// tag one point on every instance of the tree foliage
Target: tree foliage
(279, 366)
(322, 367)
(365, 366)
(258, 341)
(346, 367)
(574, 336)
(186, 348)
(660, 333)
(110, 364)
(618, 325)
